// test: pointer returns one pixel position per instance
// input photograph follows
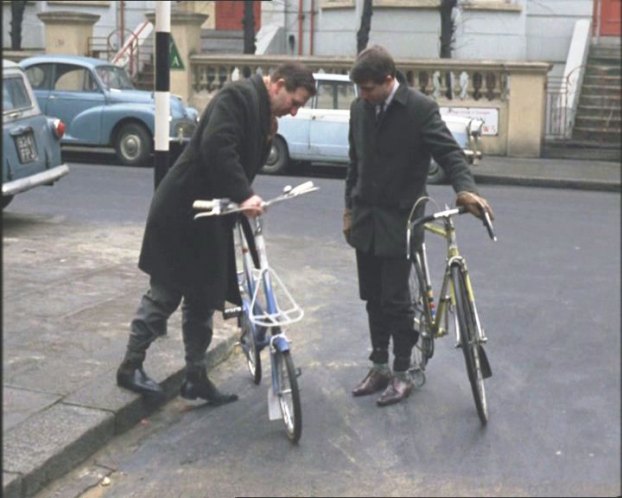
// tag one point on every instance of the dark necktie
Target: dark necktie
(380, 112)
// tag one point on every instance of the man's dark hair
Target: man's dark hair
(296, 75)
(373, 64)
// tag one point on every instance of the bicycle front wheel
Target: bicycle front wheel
(288, 395)
(469, 342)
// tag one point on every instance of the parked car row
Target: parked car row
(31, 153)
(100, 107)
(319, 131)
(54, 100)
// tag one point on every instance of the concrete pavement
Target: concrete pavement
(60, 400)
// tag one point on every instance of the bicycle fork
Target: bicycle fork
(459, 262)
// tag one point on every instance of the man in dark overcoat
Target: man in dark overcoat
(394, 132)
(194, 260)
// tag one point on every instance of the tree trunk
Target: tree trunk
(362, 35)
(447, 28)
(447, 35)
(249, 28)
(17, 16)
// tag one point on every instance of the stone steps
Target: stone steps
(597, 122)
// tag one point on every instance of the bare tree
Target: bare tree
(249, 27)
(447, 27)
(362, 35)
(17, 16)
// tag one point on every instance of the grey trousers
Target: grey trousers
(149, 323)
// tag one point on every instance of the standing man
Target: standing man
(394, 131)
(194, 260)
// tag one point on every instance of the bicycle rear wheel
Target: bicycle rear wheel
(288, 395)
(468, 342)
(424, 348)
(248, 341)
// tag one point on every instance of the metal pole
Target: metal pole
(162, 89)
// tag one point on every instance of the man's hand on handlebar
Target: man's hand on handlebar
(474, 204)
(253, 206)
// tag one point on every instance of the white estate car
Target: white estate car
(319, 131)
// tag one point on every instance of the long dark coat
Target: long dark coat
(388, 169)
(225, 153)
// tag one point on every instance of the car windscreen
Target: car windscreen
(335, 95)
(114, 78)
(14, 94)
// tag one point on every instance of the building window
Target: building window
(336, 4)
(94, 3)
(503, 5)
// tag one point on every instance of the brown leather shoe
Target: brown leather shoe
(373, 382)
(397, 390)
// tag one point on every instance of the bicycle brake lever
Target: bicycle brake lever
(488, 224)
(303, 188)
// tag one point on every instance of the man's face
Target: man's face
(376, 93)
(283, 102)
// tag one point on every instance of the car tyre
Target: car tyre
(278, 158)
(133, 144)
(6, 200)
(436, 174)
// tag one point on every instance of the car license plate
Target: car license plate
(26, 147)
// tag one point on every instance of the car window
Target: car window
(71, 78)
(114, 78)
(40, 76)
(14, 94)
(335, 95)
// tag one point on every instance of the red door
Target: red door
(609, 23)
(229, 15)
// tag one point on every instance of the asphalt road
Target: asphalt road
(548, 294)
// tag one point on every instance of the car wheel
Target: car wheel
(6, 200)
(436, 174)
(133, 144)
(278, 158)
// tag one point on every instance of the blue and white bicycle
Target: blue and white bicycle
(267, 306)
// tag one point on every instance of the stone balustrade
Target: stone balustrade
(441, 79)
(510, 96)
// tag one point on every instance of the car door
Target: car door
(295, 131)
(77, 99)
(329, 123)
(24, 130)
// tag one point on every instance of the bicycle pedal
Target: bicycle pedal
(234, 312)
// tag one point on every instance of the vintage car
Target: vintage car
(319, 131)
(100, 106)
(31, 154)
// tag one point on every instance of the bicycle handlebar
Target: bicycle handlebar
(447, 213)
(218, 207)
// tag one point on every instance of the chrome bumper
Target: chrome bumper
(23, 184)
(473, 157)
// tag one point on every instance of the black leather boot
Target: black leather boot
(197, 385)
(133, 377)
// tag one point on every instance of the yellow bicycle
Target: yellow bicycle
(455, 304)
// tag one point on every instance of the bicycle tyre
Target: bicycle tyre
(468, 342)
(248, 341)
(424, 348)
(288, 395)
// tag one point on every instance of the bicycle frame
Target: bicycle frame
(260, 281)
(437, 321)
(261, 311)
